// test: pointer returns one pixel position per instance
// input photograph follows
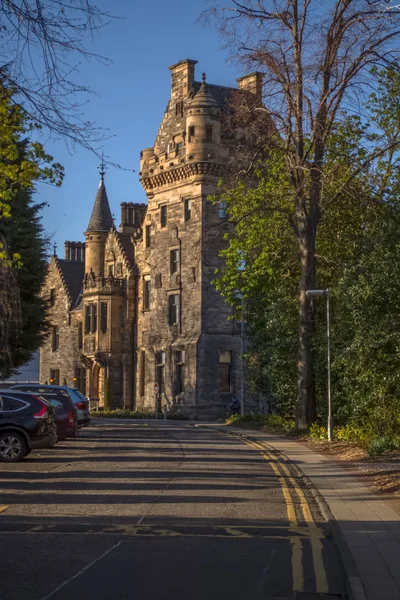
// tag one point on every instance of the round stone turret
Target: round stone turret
(203, 125)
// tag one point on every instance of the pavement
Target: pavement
(365, 528)
(162, 511)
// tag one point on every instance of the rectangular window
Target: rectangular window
(173, 261)
(55, 338)
(178, 148)
(55, 376)
(80, 379)
(179, 371)
(147, 236)
(222, 209)
(188, 209)
(173, 309)
(80, 336)
(190, 133)
(111, 270)
(209, 133)
(88, 312)
(103, 316)
(146, 292)
(160, 366)
(225, 371)
(93, 324)
(142, 381)
(163, 215)
(52, 297)
(179, 109)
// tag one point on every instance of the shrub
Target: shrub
(123, 413)
(274, 423)
(383, 444)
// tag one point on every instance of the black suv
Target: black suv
(26, 423)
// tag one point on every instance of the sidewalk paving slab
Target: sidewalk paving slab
(366, 529)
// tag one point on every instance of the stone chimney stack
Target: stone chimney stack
(66, 250)
(252, 83)
(182, 77)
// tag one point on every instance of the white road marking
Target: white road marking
(82, 571)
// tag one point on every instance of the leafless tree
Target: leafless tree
(318, 60)
(42, 43)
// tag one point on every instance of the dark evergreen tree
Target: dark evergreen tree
(24, 238)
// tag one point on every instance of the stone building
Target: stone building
(137, 306)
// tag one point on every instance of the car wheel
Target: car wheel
(13, 447)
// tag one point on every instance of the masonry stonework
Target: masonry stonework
(146, 310)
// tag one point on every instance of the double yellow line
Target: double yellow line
(285, 478)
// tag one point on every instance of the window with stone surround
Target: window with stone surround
(163, 215)
(142, 377)
(187, 209)
(80, 379)
(179, 109)
(225, 371)
(222, 209)
(55, 338)
(103, 317)
(146, 292)
(52, 298)
(147, 236)
(80, 336)
(90, 318)
(173, 261)
(209, 133)
(55, 376)
(179, 371)
(160, 371)
(190, 133)
(173, 309)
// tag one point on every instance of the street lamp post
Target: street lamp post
(326, 294)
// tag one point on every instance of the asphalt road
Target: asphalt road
(160, 511)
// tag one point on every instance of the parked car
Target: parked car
(82, 404)
(66, 413)
(26, 422)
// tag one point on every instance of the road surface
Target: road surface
(161, 511)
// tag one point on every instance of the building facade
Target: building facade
(137, 307)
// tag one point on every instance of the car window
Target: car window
(12, 404)
(53, 401)
(76, 396)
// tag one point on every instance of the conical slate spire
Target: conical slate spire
(204, 98)
(101, 217)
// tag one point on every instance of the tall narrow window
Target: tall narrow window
(222, 209)
(188, 209)
(179, 371)
(164, 215)
(209, 133)
(93, 327)
(55, 338)
(55, 376)
(146, 292)
(174, 261)
(88, 311)
(173, 309)
(191, 133)
(179, 109)
(80, 335)
(52, 297)
(142, 381)
(147, 236)
(103, 316)
(225, 371)
(160, 366)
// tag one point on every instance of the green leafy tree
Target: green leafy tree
(23, 162)
(318, 61)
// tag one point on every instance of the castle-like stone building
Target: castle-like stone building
(135, 307)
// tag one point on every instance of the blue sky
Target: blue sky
(132, 95)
